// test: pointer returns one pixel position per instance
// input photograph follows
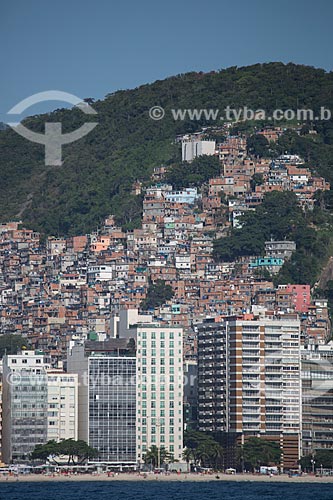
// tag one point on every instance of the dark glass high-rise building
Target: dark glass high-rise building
(112, 408)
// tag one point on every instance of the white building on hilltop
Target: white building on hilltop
(192, 148)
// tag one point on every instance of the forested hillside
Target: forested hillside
(98, 170)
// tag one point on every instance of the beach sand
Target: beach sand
(162, 477)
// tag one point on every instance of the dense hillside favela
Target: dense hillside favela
(190, 328)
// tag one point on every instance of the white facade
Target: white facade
(159, 389)
(193, 148)
(183, 262)
(62, 417)
(99, 273)
(188, 195)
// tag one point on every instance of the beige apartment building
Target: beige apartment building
(62, 415)
(249, 381)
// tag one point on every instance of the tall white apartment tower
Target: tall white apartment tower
(159, 389)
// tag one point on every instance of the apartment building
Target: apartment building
(160, 389)
(62, 414)
(1, 413)
(317, 397)
(107, 398)
(25, 404)
(249, 380)
(194, 147)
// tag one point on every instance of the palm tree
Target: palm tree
(203, 454)
(158, 456)
(188, 456)
(217, 454)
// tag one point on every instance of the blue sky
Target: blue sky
(90, 48)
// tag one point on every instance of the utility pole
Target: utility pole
(158, 424)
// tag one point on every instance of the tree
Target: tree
(257, 145)
(217, 455)
(322, 458)
(188, 457)
(78, 450)
(158, 294)
(203, 449)
(89, 100)
(158, 456)
(11, 343)
(277, 217)
(257, 180)
(258, 452)
(193, 174)
(48, 451)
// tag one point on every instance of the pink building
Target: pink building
(301, 296)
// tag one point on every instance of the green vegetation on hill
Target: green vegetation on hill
(98, 171)
(157, 294)
(280, 218)
(11, 344)
(193, 174)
